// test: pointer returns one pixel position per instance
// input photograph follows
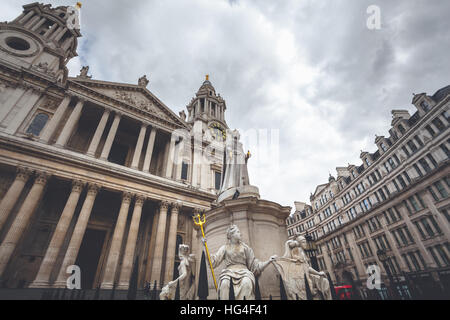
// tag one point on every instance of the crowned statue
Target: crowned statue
(241, 267)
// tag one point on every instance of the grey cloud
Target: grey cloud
(357, 77)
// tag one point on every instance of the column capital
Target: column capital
(164, 204)
(198, 211)
(127, 196)
(176, 205)
(23, 173)
(81, 99)
(41, 177)
(118, 114)
(140, 199)
(77, 185)
(93, 188)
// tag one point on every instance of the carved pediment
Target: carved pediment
(138, 100)
(134, 96)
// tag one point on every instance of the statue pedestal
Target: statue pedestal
(263, 227)
(244, 192)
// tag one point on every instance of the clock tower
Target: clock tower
(206, 115)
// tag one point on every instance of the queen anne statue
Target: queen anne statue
(241, 266)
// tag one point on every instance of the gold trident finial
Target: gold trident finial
(201, 220)
(78, 5)
(207, 77)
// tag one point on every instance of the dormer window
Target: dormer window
(401, 129)
(353, 174)
(425, 106)
(367, 161)
(383, 147)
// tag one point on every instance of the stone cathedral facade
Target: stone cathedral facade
(97, 174)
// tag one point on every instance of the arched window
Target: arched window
(38, 124)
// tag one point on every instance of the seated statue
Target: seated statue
(186, 270)
(241, 266)
(294, 268)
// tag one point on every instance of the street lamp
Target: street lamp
(382, 256)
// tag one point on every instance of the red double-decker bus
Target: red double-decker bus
(344, 292)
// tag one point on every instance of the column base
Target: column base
(59, 284)
(106, 286)
(40, 284)
(123, 286)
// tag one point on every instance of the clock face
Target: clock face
(218, 132)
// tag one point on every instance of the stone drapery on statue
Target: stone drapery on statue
(294, 268)
(186, 280)
(235, 173)
(241, 266)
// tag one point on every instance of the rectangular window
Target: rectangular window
(405, 150)
(445, 149)
(402, 182)
(439, 124)
(184, 170)
(412, 146)
(441, 189)
(430, 130)
(217, 178)
(432, 160)
(418, 141)
(425, 165)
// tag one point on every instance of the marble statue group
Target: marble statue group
(241, 267)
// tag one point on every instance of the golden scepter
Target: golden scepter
(200, 222)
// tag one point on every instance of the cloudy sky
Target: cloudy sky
(308, 72)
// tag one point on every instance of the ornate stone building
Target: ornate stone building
(97, 174)
(396, 201)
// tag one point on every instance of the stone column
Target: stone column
(37, 25)
(14, 191)
(128, 257)
(70, 124)
(61, 34)
(149, 152)
(98, 133)
(138, 149)
(50, 30)
(159, 245)
(77, 236)
(171, 242)
(26, 17)
(55, 120)
(116, 243)
(43, 276)
(21, 221)
(31, 22)
(111, 135)
(170, 157)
